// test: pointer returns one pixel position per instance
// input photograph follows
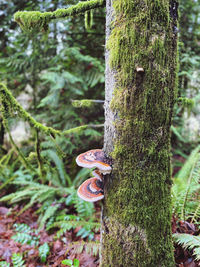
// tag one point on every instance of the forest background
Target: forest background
(47, 73)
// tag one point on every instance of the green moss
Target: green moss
(142, 36)
(34, 21)
(77, 130)
(88, 19)
(186, 102)
(83, 103)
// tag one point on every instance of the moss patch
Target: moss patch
(83, 103)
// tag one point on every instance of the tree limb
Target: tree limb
(34, 21)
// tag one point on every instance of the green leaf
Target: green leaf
(76, 263)
(44, 252)
(67, 262)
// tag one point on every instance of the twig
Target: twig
(39, 159)
(23, 159)
(85, 102)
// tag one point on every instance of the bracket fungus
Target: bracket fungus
(97, 174)
(92, 189)
(94, 159)
(139, 69)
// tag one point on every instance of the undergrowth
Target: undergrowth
(186, 201)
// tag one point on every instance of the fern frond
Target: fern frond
(25, 238)
(196, 213)
(185, 171)
(186, 186)
(74, 224)
(87, 227)
(44, 252)
(81, 176)
(84, 209)
(17, 260)
(59, 165)
(189, 242)
(91, 247)
(22, 228)
(25, 235)
(51, 210)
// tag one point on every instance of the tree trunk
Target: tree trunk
(141, 66)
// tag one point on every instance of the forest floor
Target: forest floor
(61, 249)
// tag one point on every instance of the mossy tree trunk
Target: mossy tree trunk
(141, 66)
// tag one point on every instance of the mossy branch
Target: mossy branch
(7, 97)
(33, 21)
(186, 102)
(88, 103)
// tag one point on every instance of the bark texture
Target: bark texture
(141, 66)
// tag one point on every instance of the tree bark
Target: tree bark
(141, 66)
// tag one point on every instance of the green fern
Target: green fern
(32, 190)
(25, 235)
(50, 211)
(83, 208)
(185, 171)
(59, 165)
(190, 242)
(81, 176)
(22, 228)
(4, 264)
(91, 247)
(24, 238)
(186, 187)
(17, 260)
(83, 219)
(87, 227)
(44, 252)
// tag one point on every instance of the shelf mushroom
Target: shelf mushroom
(94, 159)
(97, 174)
(91, 190)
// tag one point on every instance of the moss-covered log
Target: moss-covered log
(141, 66)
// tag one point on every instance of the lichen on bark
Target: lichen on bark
(138, 109)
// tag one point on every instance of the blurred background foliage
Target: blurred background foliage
(46, 72)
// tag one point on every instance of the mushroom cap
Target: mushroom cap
(91, 190)
(94, 158)
(97, 174)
